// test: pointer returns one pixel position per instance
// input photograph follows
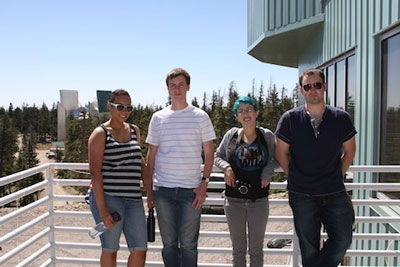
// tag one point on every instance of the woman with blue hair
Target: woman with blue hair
(246, 155)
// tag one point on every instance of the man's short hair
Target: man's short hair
(312, 72)
(117, 92)
(178, 72)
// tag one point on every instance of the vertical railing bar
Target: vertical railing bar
(49, 177)
(296, 249)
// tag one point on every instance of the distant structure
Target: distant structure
(68, 103)
(92, 107)
(102, 97)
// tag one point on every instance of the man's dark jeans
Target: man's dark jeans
(335, 212)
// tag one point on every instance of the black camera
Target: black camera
(242, 187)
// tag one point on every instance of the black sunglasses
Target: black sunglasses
(308, 86)
(121, 107)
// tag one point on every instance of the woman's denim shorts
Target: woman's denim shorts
(132, 223)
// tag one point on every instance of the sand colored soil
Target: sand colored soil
(83, 237)
(94, 253)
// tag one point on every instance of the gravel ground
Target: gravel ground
(83, 221)
(95, 253)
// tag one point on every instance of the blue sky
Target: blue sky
(103, 45)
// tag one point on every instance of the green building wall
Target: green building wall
(308, 34)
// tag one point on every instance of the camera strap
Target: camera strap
(237, 138)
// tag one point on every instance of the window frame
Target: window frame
(324, 67)
(382, 90)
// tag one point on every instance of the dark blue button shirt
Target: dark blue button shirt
(315, 160)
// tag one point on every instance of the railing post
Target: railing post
(49, 177)
(296, 249)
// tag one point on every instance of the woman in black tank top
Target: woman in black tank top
(115, 165)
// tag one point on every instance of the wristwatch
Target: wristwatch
(205, 179)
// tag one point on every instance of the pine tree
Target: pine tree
(233, 95)
(53, 122)
(78, 132)
(214, 102)
(17, 120)
(8, 145)
(219, 122)
(222, 117)
(44, 123)
(11, 111)
(30, 118)
(286, 102)
(230, 118)
(27, 159)
(59, 154)
(195, 102)
(260, 103)
(295, 95)
(272, 112)
(204, 105)
(8, 149)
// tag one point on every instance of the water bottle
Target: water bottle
(151, 226)
(101, 228)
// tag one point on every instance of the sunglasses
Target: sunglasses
(121, 107)
(308, 86)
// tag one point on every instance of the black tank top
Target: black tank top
(121, 168)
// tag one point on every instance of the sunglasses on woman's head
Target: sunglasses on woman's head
(121, 107)
(317, 85)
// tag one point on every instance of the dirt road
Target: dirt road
(57, 190)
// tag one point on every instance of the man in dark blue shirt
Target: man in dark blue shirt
(315, 145)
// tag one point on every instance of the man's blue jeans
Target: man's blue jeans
(335, 212)
(179, 225)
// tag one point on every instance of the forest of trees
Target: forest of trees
(33, 125)
(20, 132)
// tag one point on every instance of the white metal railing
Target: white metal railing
(52, 246)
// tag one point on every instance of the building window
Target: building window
(341, 79)
(351, 85)
(341, 84)
(390, 107)
(330, 79)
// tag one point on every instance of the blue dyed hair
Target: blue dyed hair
(244, 100)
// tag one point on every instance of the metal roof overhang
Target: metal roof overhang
(283, 46)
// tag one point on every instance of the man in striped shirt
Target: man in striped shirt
(177, 134)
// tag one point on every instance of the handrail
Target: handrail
(22, 174)
(23, 192)
(22, 210)
(23, 228)
(51, 230)
(24, 245)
